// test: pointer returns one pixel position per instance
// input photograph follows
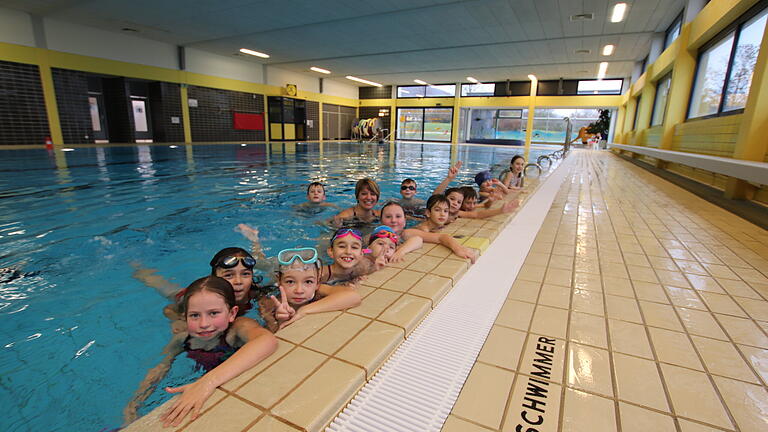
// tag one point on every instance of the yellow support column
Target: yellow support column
(185, 114)
(646, 103)
(680, 90)
(267, 126)
(456, 115)
(531, 112)
(393, 118)
(618, 131)
(320, 126)
(750, 142)
(630, 118)
(49, 96)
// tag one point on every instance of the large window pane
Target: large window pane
(437, 124)
(409, 123)
(611, 86)
(673, 32)
(637, 112)
(747, 49)
(478, 89)
(710, 77)
(549, 125)
(410, 91)
(660, 102)
(447, 90)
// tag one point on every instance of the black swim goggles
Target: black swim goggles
(231, 261)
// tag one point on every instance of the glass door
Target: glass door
(424, 124)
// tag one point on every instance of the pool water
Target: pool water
(76, 330)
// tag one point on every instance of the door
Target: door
(141, 124)
(98, 118)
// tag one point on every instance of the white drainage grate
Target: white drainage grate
(417, 386)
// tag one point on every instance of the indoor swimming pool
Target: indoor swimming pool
(77, 330)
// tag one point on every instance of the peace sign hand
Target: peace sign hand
(454, 170)
(283, 311)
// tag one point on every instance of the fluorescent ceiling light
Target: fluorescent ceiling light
(602, 70)
(360, 80)
(470, 79)
(532, 77)
(420, 82)
(618, 12)
(253, 53)
(608, 50)
(321, 70)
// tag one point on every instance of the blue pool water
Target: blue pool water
(76, 330)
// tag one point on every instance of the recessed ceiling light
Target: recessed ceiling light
(601, 71)
(360, 80)
(321, 70)
(253, 53)
(608, 50)
(583, 51)
(618, 12)
(470, 79)
(420, 82)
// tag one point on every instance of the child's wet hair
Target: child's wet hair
(316, 184)
(437, 199)
(227, 252)
(468, 192)
(367, 183)
(514, 158)
(357, 234)
(408, 181)
(211, 284)
(452, 190)
(390, 204)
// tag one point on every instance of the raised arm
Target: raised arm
(452, 172)
(148, 277)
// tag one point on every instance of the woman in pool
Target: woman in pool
(301, 292)
(367, 194)
(219, 341)
(437, 215)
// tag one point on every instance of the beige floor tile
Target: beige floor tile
(309, 325)
(750, 275)
(543, 358)
(555, 296)
(321, 396)
(704, 283)
(588, 302)
(701, 323)
(757, 309)
(636, 419)
(588, 413)
(271, 424)
(151, 421)
(439, 251)
(484, 395)
(748, 403)
(758, 358)
(432, 287)
(694, 397)
(425, 263)
(650, 292)
(526, 291)
(587, 281)
(563, 249)
(673, 278)
(541, 247)
(231, 414)
(336, 334)
(675, 348)
(685, 297)
(692, 267)
(743, 331)
(618, 286)
(371, 347)
(407, 260)
(636, 259)
(681, 254)
(660, 315)
(722, 358)
(589, 369)
(690, 426)
(375, 303)
(534, 404)
(534, 273)
(720, 271)
(455, 424)
(549, 321)
(722, 303)
(614, 270)
(629, 338)
(515, 314)
(622, 308)
(407, 312)
(451, 269)
(638, 381)
(403, 281)
(587, 265)
(364, 290)
(559, 277)
(738, 288)
(267, 388)
(503, 347)
(643, 274)
(662, 263)
(377, 278)
(564, 262)
(283, 348)
(588, 329)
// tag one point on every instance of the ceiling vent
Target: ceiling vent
(583, 17)
(583, 51)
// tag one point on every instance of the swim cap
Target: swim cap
(482, 176)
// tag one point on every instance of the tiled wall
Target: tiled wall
(165, 104)
(384, 92)
(72, 100)
(23, 118)
(211, 119)
(118, 107)
(313, 114)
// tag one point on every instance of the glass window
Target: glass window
(514, 113)
(601, 87)
(479, 89)
(660, 102)
(637, 113)
(437, 124)
(410, 122)
(747, 48)
(550, 126)
(410, 91)
(673, 31)
(441, 90)
(710, 76)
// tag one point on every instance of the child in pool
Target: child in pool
(346, 250)
(393, 216)
(437, 215)
(411, 205)
(367, 194)
(315, 197)
(490, 188)
(301, 293)
(220, 342)
(469, 204)
(513, 179)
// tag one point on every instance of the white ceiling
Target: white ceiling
(390, 41)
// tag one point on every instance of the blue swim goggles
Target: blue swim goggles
(307, 255)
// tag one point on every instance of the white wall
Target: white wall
(207, 63)
(335, 88)
(16, 27)
(280, 77)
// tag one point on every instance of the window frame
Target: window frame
(735, 27)
(423, 115)
(618, 92)
(461, 90)
(637, 112)
(678, 20)
(397, 91)
(656, 96)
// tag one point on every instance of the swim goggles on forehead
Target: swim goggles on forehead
(307, 255)
(231, 261)
(384, 232)
(343, 232)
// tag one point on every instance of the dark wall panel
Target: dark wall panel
(118, 107)
(165, 103)
(313, 113)
(72, 100)
(23, 117)
(211, 119)
(384, 92)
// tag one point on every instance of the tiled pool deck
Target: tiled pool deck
(642, 305)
